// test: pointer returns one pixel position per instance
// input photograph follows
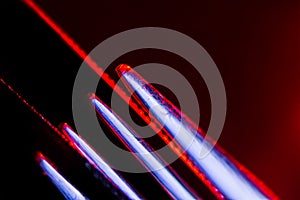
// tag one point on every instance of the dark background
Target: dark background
(255, 45)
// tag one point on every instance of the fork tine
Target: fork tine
(119, 183)
(228, 179)
(165, 176)
(65, 187)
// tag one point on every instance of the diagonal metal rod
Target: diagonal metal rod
(223, 173)
(65, 187)
(165, 176)
(100, 164)
(248, 176)
(76, 142)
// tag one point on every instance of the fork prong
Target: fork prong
(117, 180)
(165, 176)
(62, 184)
(224, 174)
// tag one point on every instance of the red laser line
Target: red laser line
(34, 110)
(142, 98)
(89, 60)
(82, 54)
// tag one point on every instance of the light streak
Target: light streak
(75, 141)
(98, 70)
(81, 53)
(66, 188)
(164, 175)
(222, 172)
(85, 57)
(100, 164)
(29, 106)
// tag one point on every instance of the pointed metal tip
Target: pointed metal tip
(64, 126)
(69, 133)
(67, 129)
(96, 102)
(122, 68)
(39, 157)
(99, 105)
(42, 159)
(92, 96)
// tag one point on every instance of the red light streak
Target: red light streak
(235, 173)
(32, 108)
(164, 135)
(84, 56)
(155, 126)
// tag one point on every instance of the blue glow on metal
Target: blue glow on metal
(101, 165)
(66, 188)
(222, 173)
(164, 175)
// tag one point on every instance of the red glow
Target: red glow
(40, 156)
(256, 181)
(162, 133)
(82, 54)
(32, 108)
(122, 69)
(155, 126)
(72, 143)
